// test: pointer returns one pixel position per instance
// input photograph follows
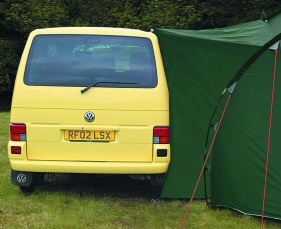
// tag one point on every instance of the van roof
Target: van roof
(92, 31)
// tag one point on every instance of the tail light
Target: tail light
(16, 150)
(18, 132)
(161, 135)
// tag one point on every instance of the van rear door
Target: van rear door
(91, 98)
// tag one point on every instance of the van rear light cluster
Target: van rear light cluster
(18, 132)
(161, 135)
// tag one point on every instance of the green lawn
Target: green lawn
(86, 201)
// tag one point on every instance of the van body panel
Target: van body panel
(95, 98)
(46, 127)
(53, 103)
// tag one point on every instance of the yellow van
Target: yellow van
(89, 100)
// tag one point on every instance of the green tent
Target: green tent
(199, 65)
(245, 173)
(248, 136)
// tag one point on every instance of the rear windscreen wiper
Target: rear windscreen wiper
(105, 82)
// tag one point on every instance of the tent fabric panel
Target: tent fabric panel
(273, 202)
(239, 155)
(197, 72)
(254, 57)
(274, 22)
(255, 33)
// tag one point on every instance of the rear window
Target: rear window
(84, 60)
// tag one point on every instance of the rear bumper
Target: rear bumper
(89, 167)
(20, 162)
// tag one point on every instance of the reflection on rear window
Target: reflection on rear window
(82, 60)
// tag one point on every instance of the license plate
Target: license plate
(89, 135)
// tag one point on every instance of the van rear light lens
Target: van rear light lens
(18, 132)
(16, 150)
(161, 135)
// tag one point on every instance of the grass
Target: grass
(85, 201)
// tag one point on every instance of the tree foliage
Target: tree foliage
(222, 13)
(19, 17)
